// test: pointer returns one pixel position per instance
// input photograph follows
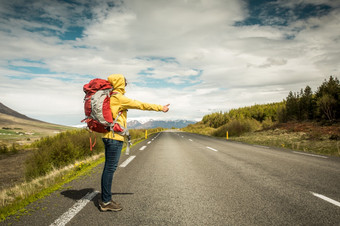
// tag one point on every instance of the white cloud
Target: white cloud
(234, 65)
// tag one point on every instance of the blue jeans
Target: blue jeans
(112, 155)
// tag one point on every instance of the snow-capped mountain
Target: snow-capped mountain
(135, 124)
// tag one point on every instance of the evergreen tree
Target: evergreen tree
(281, 112)
(292, 106)
(307, 104)
(328, 99)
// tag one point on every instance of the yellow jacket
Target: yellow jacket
(119, 102)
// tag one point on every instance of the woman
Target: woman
(114, 142)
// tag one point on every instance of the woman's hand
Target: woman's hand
(166, 108)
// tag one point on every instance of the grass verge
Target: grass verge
(15, 199)
(306, 137)
(298, 141)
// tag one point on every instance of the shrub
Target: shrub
(61, 150)
(14, 149)
(137, 133)
(3, 149)
(267, 123)
(65, 148)
(237, 127)
(199, 128)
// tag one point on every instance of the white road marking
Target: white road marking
(211, 148)
(126, 162)
(78, 206)
(319, 156)
(260, 146)
(190, 139)
(157, 135)
(327, 199)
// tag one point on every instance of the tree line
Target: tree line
(322, 106)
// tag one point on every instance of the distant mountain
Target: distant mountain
(7, 111)
(158, 123)
(13, 120)
(134, 124)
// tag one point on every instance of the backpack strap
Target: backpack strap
(114, 122)
(124, 133)
(94, 143)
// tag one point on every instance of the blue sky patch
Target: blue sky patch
(72, 33)
(31, 70)
(269, 13)
(148, 71)
(21, 77)
(66, 28)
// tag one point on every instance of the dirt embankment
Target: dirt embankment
(12, 168)
(312, 129)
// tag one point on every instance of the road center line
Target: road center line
(327, 199)
(211, 148)
(127, 161)
(190, 139)
(78, 206)
(319, 156)
(149, 142)
(142, 148)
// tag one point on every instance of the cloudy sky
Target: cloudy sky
(201, 56)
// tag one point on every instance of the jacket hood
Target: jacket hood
(118, 82)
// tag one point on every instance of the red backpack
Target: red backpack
(97, 105)
(98, 112)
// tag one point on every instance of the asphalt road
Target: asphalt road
(186, 179)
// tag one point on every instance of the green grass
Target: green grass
(312, 142)
(43, 186)
(6, 134)
(293, 140)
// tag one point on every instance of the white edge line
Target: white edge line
(319, 156)
(78, 206)
(142, 148)
(327, 199)
(127, 161)
(211, 148)
(190, 139)
(149, 142)
(260, 146)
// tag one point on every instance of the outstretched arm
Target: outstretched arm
(127, 103)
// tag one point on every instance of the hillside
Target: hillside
(8, 111)
(18, 128)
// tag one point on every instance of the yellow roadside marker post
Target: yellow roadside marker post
(146, 134)
(227, 135)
